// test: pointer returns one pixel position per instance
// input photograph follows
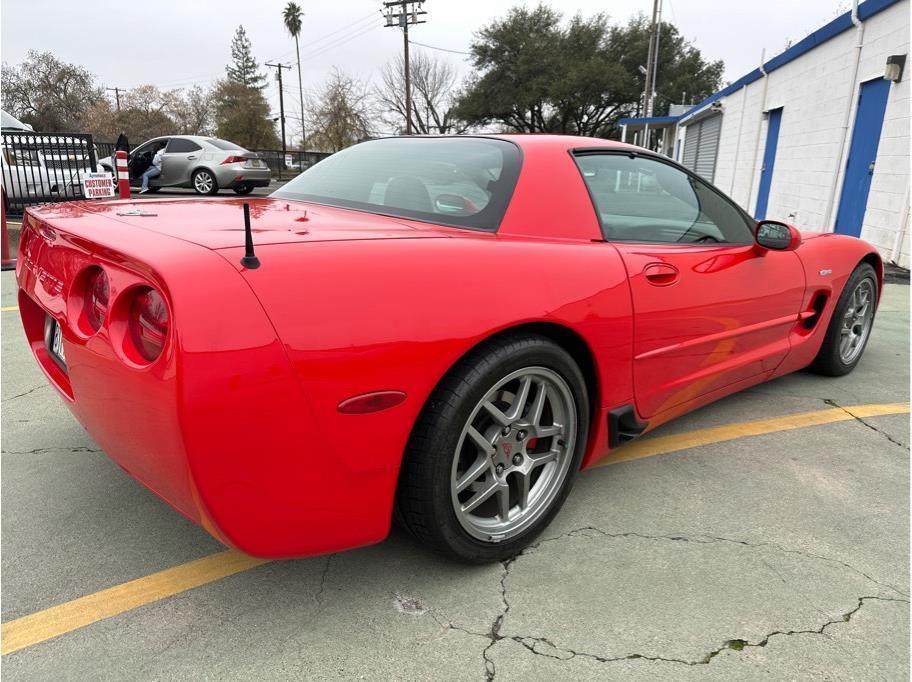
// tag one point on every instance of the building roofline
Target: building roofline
(840, 24)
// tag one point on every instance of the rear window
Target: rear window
(223, 144)
(457, 181)
(178, 145)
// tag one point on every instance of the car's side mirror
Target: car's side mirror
(771, 234)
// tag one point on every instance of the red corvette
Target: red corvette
(441, 329)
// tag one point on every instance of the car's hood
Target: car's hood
(219, 223)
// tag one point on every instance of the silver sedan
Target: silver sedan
(207, 164)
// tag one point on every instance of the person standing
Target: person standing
(154, 170)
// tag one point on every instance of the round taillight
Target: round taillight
(148, 323)
(97, 296)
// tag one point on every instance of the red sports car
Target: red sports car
(440, 329)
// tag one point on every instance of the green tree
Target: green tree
(243, 68)
(536, 73)
(49, 94)
(241, 115)
(291, 16)
(683, 75)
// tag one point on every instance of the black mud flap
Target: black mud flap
(623, 426)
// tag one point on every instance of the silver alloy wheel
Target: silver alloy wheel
(513, 454)
(857, 322)
(202, 182)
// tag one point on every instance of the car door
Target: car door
(711, 307)
(179, 161)
(140, 159)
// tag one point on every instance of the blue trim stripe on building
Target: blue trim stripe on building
(840, 24)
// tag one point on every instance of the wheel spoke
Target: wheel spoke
(540, 458)
(546, 431)
(519, 402)
(523, 500)
(481, 496)
(503, 502)
(538, 405)
(495, 413)
(480, 466)
(480, 441)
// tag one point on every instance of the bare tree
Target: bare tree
(434, 92)
(47, 93)
(192, 110)
(340, 115)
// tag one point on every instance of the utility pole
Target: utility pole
(402, 14)
(655, 59)
(116, 92)
(278, 68)
(647, 87)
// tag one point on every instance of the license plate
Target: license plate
(255, 163)
(55, 340)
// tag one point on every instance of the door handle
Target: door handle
(190, 158)
(661, 274)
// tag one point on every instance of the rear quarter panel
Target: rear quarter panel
(363, 316)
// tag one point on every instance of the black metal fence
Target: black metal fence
(40, 168)
(295, 162)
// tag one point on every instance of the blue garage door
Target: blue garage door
(872, 103)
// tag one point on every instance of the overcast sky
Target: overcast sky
(177, 43)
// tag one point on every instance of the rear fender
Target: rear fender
(364, 316)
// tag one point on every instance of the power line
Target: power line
(325, 36)
(338, 43)
(442, 49)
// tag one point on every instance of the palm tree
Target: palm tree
(292, 17)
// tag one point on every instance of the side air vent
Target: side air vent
(817, 305)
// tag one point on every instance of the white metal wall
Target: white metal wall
(814, 92)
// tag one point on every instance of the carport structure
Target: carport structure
(657, 133)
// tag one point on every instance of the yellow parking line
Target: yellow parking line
(662, 445)
(58, 620)
(9, 308)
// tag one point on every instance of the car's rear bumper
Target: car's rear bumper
(219, 426)
(233, 177)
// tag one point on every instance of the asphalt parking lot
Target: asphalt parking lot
(764, 536)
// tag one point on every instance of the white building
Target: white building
(817, 136)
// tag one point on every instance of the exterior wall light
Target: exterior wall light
(894, 70)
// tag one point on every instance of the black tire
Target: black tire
(829, 361)
(424, 505)
(199, 173)
(243, 190)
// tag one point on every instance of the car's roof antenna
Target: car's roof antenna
(249, 261)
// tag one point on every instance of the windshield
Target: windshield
(458, 181)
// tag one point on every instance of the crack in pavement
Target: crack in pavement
(38, 451)
(19, 395)
(531, 643)
(854, 416)
(318, 596)
(732, 644)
